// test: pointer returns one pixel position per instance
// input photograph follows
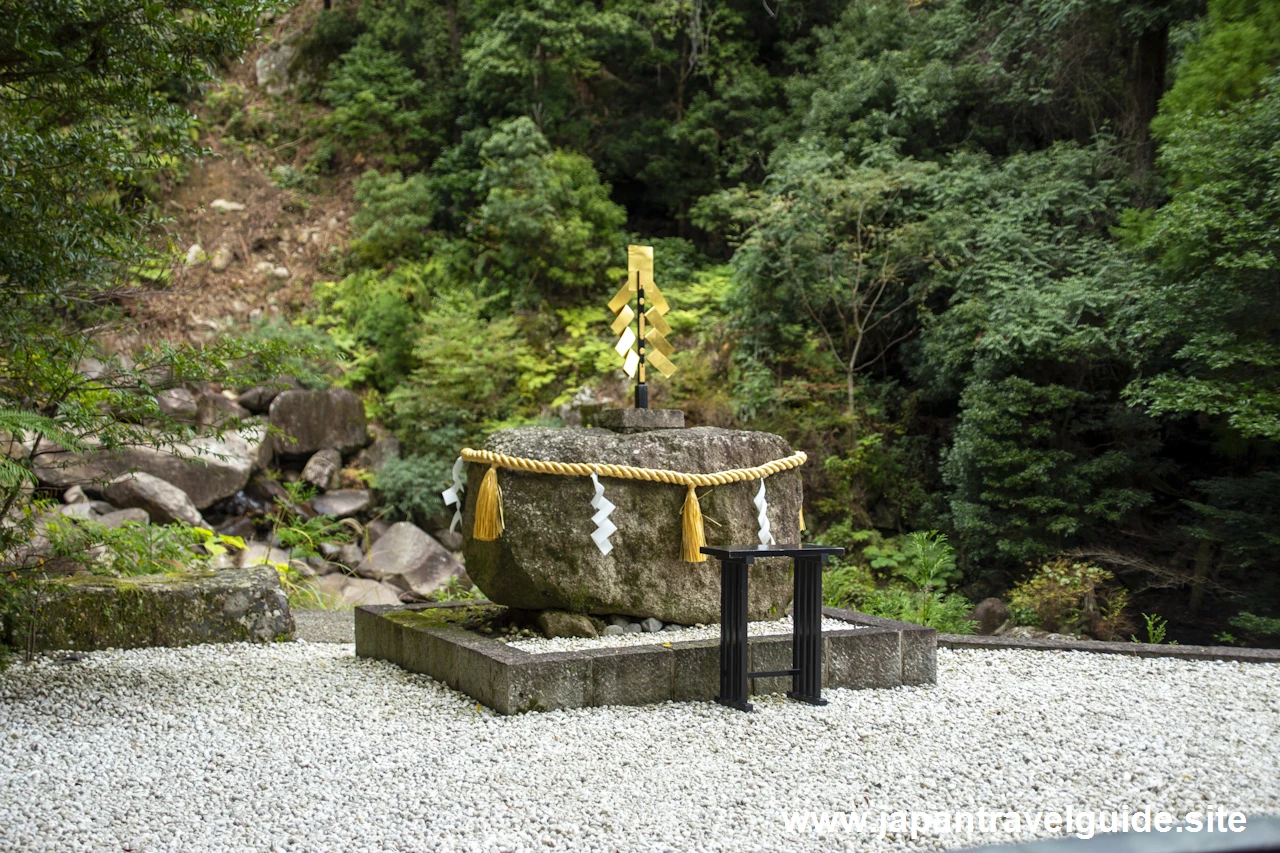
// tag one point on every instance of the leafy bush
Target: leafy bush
(410, 486)
(1071, 597)
(137, 549)
(303, 537)
(926, 563)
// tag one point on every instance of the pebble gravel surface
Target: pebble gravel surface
(542, 645)
(304, 747)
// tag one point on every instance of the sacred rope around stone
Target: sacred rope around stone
(489, 521)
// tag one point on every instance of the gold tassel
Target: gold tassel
(694, 537)
(802, 527)
(489, 523)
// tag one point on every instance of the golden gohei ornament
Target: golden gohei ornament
(647, 342)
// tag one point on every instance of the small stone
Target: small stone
(178, 403)
(377, 527)
(281, 273)
(671, 626)
(221, 205)
(613, 631)
(221, 260)
(349, 554)
(633, 628)
(558, 623)
(342, 503)
(651, 625)
(620, 621)
(990, 614)
(451, 539)
(75, 495)
(322, 468)
(195, 254)
(118, 518)
(263, 267)
(261, 553)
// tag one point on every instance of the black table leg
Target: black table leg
(733, 635)
(806, 643)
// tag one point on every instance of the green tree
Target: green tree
(546, 227)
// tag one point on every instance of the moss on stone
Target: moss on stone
(439, 617)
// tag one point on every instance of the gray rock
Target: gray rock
(633, 628)
(545, 559)
(313, 420)
(272, 68)
(450, 539)
(261, 554)
(344, 589)
(349, 555)
(651, 625)
(75, 495)
(163, 501)
(342, 503)
(373, 457)
(214, 410)
(671, 626)
(258, 398)
(116, 519)
(377, 527)
(557, 623)
(639, 420)
(102, 507)
(409, 559)
(612, 631)
(618, 619)
(221, 259)
(322, 468)
(990, 614)
(163, 610)
(206, 468)
(80, 510)
(178, 403)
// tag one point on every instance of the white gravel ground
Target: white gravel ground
(305, 747)
(542, 645)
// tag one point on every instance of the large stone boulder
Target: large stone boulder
(545, 559)
(409, 559)
(164, 503)
(94, 612)
(206, 468)
(313, 420)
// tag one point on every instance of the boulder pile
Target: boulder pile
(241, 484)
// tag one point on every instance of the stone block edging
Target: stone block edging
(1144, 650)
(871, 653)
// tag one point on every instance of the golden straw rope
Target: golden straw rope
(627, 472)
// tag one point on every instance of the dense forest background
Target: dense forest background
(1005, 270)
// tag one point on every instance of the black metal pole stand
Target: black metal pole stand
(806, 641)
(733, 635)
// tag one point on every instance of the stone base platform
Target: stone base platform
(87, 612)
(426, 638)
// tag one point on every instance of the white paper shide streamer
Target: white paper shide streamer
(762, 504)
(604, 527)
(453, 495)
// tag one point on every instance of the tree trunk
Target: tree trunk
(1146, 80)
